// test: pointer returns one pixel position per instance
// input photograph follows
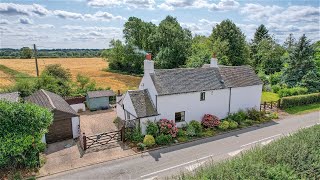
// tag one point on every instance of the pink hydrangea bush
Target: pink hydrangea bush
(210, 121)
(168, 127)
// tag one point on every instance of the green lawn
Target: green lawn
(292, 157)
(303, 109)
(269, 96)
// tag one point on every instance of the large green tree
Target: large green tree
(25, 53)
(228, 32)
(261, 33)
(22, 127)
(300, 62)
(201, 52)
(172, 43)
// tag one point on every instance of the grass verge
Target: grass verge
(303, 109)
(292, 157)
(269, 96)
(11, 72)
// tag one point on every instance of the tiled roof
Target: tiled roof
(96, 94)
(177, 81)
(50, 101)
(12, 97)
(142, 103)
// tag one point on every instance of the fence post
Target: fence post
(278, 103)
(123, 130)
(264, 105)
(84, 139)
(271, 104)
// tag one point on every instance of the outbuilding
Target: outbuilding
(66, 122)
(97, 100)
(12, 97)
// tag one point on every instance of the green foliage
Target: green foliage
(181, 133)
(224, 125)
(284, 92)
(83, 85)
(292, 157)
(316, 57)
(276, 88)
(255, 115)
(233, 124)
(300, 62)
(238, 116)
(191, 131)
(152, 129)
(57, 71)
(163, 139)
(124, 57)
(134, 135)
(25, 53)
(261, 33)
(25, 86)
(197, 127)
(311, 81)
(275, 78)
(22, 127)
(208, 132)
(141, 146)
(269, 96)
(183, 139)
(303, 109)
(237, 51)
(149, 140)
(201, 52)
(300, 100)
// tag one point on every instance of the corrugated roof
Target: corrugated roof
(142, 103)
(12, 97)
(104, 93)
(177, 81)
(50, 101)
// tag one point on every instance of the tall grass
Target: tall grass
(293, 157)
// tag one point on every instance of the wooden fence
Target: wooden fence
(270, 105)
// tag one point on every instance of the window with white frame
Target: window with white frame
(179, 116)
(202, 96)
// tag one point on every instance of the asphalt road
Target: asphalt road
(188, 157)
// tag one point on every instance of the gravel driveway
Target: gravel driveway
(98, 121)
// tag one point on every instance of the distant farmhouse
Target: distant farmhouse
(186, 94)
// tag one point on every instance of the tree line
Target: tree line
(27, 53)
(293, 63)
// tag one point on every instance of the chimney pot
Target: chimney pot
(148, 56)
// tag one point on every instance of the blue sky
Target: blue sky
(93, 23)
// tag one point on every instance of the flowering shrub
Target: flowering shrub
(168, 127)
(210, 121)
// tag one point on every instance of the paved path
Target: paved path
(187, 157)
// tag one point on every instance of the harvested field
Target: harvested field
(92, 67)
(4, 82)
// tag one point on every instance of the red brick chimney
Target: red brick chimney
(148, 56)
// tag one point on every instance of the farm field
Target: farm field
(92, 67)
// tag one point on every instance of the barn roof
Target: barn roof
(185, 80)
(97, 94)
(142, 103)
(50, 101)
(12, 97)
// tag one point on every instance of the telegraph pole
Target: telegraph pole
(35, 58)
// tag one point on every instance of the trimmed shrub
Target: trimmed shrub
(135, 135)
(191, 131)
(152, 129)
(238, 116)
(210, 121)
(168, 127)
(197, 127)
(163, 139)
(292, 91)
(149, 140)
(224, 125)
(233, 124)
(181, 133)
(292, 101)
(208, 132)
(255, 115)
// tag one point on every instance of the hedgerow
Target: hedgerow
(292, 101)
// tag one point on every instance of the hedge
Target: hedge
(299, 100)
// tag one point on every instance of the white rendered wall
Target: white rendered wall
(128, 106)
(78, 107)
(120, 111)
(75, 126)
(147, 83)
(216, 103)
(143, 123)
(245, 97)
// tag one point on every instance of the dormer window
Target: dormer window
(202, 96)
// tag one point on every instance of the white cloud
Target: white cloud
(66, 14)
(25, 21)
(148, 4)
(259, 12)
(91, 28)
(297, 14)
(4, 21)
(12, 9)
(197, 4)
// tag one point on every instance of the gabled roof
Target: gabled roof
(50, 101)
(177, 81)
(104, 93)
(142, 103)
(12, 97)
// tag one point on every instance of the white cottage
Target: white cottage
(187, 94)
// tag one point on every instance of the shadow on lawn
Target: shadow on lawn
(156, 154)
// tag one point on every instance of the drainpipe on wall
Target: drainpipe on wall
(229, 100)
(157, 103)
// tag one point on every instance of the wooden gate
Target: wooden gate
(101, 139)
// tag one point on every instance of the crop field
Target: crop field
(92, 67)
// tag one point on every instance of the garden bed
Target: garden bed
(164, 133)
